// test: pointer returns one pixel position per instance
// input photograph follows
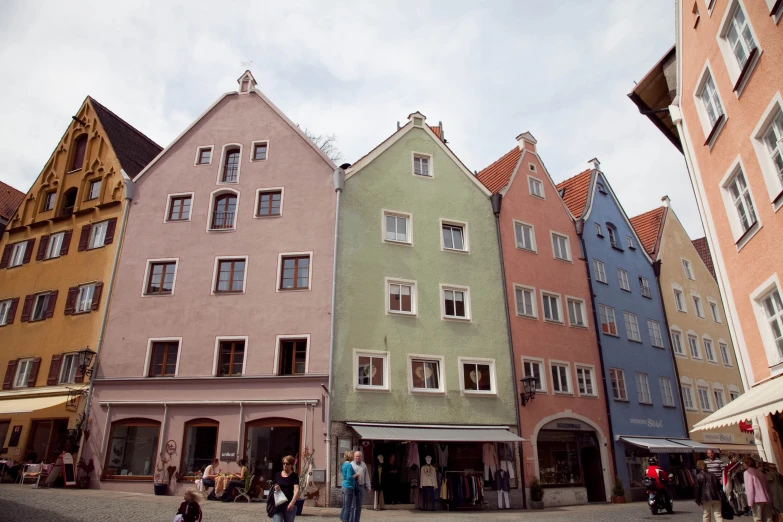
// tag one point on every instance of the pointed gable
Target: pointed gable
(10, 199)
(703, 248)
(574, 192)
(649, 227)
(497, 175)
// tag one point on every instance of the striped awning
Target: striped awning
(759, 401)
(434, 433)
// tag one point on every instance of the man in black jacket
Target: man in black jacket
(707, 493)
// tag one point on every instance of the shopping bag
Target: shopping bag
(178, 518)
(280, 498)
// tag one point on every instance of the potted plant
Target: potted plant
(618, 492)
(536, 494)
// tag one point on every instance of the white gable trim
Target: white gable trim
(505, 189)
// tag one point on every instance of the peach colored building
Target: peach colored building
(719, 92)
(552, 332)
(219, 329)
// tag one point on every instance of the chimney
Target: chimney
(666, 201)
(246, 83)
(526, 141)
(594, 164)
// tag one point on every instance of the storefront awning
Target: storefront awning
(738, 448)
(30, 404)
(435, 433)
(700, 447)
(759, 401)
(667, 445)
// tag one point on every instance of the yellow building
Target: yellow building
(58, 255)
(698, 328)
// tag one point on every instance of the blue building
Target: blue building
(642, 391)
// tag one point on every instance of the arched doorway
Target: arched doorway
(268, 440)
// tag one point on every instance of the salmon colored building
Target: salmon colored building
(565, 427)
(717, 96)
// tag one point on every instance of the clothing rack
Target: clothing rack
(468, 494)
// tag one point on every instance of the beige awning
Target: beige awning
(434, 433)
(31, 404)
(762, 400)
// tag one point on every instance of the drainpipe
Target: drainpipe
(580, 227)
(339, 183)
(130, 192)
(497, 201)
(240, 438)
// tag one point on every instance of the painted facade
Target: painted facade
(58, 255)
(557, 344)
(218, 337)
(707, 369)
(421, 333)
(637, 363)
(726, 109)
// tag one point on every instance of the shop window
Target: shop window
(561, 455)
(199, 446)
(477, 376)
(133, 448)
(425, 375)
(269, 440)
(47, 438)
(293, 357)
(371, 369)
(4, 427)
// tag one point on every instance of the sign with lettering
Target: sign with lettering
(228, 450)
(567, 425)
(650, 423)
(718, 437)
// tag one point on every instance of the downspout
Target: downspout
(580, 227)
(130, 192)
(338, 179)
(497, 202)
(240, 438)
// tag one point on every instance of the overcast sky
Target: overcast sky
(488, 70)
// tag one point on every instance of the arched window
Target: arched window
(269, 440)
(132, 450)
(199, 446)
(224, 212)
(68, 202)
(79, 149)
(231, 166)
(612, 230)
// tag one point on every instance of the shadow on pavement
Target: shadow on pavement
(15, 511)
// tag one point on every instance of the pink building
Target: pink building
(218, 335)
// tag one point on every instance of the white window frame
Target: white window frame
(473, 360)
(614, 320)
(531, 181)
(278, 349)
(772, 179)
(718, 395)
(598, 230)
(583, 310)
(688, 399)
(653, 328)
(622, 276)
(599, 269)
(697, 355)
(430, 165)
(589, 370)
(541, 369)
(167, 210)
(466, 295)
(725, 354)
(386, 356)
(611, 231)
(706, 390)
(97, 182)
(216, 359)
(212, 197)
(533, 300)
(83, 305)
(559, 302)
(521, 224)
(642, 382)
(561, 364)
(41, 295)
(741, 234)
(704, 119)
(178, 340)
(644, 287)
(714, 309)
(688, 268)
(698, 307)
(54, 245)
(734, 392)
(253, 151)
(732, 66)
(5, 306)
(256, 215)
(222, 163)
(198, 154)
(414, 296)
(71, 378)
(629, 242)
(97, 235)
(630, 318)
(621, 378)
(465, 235)
(246, 259)
(707, 342)
(677, 334)
(665, 384)
(280, 257)
(775, 15)
(409, 227)
(148, 269)
(567, 239)
(17, 254)
(531, 167)
(441, 390)
(757, 297)
(23, 368)
(679, 304)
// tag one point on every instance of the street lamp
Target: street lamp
(85, 360)
(528, 389)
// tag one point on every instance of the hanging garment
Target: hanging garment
(503, 495)
(413, 455)
(508, 466)
(502, 483)
(378, 502)
(489, 456)
(775, 487)
(442, 455)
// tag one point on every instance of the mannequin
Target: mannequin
(378, 477)
(503, 485)
(428, 483)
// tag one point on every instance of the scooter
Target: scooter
(656, 498)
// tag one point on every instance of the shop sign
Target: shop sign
(718, 437)
(567, 425)
(650, 423)
(228, 450)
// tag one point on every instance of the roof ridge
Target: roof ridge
(131, 127)
(574, 177)
(498, 160)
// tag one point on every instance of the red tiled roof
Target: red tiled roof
(10, 199)
(576, 191)
(704, 252)
(497, 175)
(648, 227)
(436, 130)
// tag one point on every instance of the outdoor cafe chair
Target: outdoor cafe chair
(246, 492)
(34, 471)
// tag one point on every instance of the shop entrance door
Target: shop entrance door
(593, 474)
(269, 440)
(47, 439)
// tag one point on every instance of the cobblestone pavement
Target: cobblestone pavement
(24, 504)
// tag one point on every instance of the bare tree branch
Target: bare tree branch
(327, 143)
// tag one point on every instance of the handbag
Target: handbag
(270, 505)
(725, 507)
(178, 518)
(280, 498)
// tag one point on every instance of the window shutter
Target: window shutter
(9, 374)
(42, 247)
(96, 296)
(52, 301)
(70, 300)
(66, 242)
(28, 251)
(6, 256)
(34, 372)
(110, 228)
(79, 376)
(54, 370)
(12, 311)
(85, 237)
(27, 307)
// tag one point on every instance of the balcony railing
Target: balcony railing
(222, 220)
(66, 211)
(230, 174)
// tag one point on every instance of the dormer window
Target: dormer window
(246, 83)
(79, 149)
(230, 166)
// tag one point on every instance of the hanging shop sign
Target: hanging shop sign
(228, 450)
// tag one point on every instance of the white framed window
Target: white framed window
(622, 276)
(525, 301)
(477, 376)
(93, 190)
(737, 44)
(455, 302)
(536, 187)
(733, 395)
(401, 297)
(371, 370)
(269, 202)
(767, 140)
(679, 300)
(612, 235)
(17, 254)
(84, 298)
(576, 312)
(203, 155)
(714, 309)
(525, 235)
(230, 163)
(561, 247)
(422, 164)
(608, 323)
(23, 369)
(632, 327)
(561, 377)
(704, 398)
(709, 106)
(230, 356)
(667, 396)
(687, 397)
(40, 307)
(551, 307)
(693, 344)
(773, 308)
(773, 139)
(259, 150)
(686, 265)
(223, 210)
(643, 388)
(768, 309)
(535, 368)
(97, 235)
(697, 306)
(617, 378)
(425, 374)
(629, 242)
(709, 353)
(68, 366)
(654, 328)
(677, 342)
(585, 381)
(719, 401)
(531, 167)
(397, 227)
(5, 307)
(54, 246)
(644, 287)
(598, 231)
(738, 199)
(724, 353)
(454, 236)
(229, 275)
(600, 271)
